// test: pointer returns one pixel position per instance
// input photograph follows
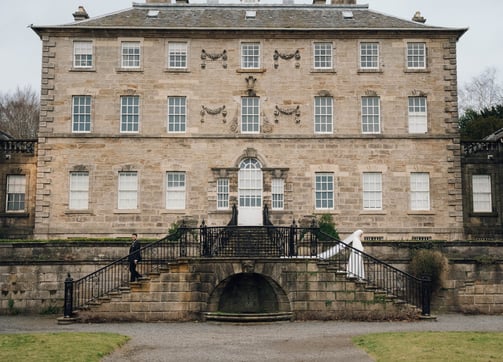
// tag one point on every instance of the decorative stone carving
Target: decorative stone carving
(287, 112)
(418, 93)
(248, 266)
(213, 112)
(286, 56)
(370, 93)
(213, 56)
(250, 85)
(324, 93)
(267, 127)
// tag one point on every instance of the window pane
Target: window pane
(250, 55)
(83, 54)
(250, 114)
(324, 191)
(175, 190)
(81, 114)
(278, 193)
(130, 113)
(417, 115)
(16, 193)
(372, 191)
(322, 55)
(323, 114)
(176, 114)
(482, 199)
(416, 55)
(369, 55)
(79, 191)
(177, 55)
(130, 54)
(371, 115)
(128, 190)
(419, 191)
(250, 183)
(223, 193)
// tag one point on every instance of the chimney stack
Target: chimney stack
(80, 14)
(418, 18)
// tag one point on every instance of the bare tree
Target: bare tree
(482, 92)
(19, 113)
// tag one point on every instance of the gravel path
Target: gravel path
(281, 341)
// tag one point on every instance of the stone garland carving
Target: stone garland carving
(213, 111)
(287, 112)
(286, 56)
(213, 56)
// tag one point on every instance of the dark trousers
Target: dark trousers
(134, 274)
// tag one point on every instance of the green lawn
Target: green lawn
(38, 347)
(433, 346)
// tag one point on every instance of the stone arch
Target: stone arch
(248, 293)
(250, 153)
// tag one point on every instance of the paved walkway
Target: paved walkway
(283, 341)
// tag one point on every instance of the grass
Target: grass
(54, 347)
(433, 346)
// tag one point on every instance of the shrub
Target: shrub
(429, 263)
(327, 225)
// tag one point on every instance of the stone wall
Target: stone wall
(32, 275)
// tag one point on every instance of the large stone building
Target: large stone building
(169, 111)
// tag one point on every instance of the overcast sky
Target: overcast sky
(20, 48)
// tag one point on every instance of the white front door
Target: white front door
(250, 192)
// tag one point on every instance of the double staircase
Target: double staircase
(184, 271)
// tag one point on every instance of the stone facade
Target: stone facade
(213, 145)
(18, 158)
(483, 158)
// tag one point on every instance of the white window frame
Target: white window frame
(418, 114)
(81, 114)
(250, 115)
(131, 54)
(83, 54)
(127, 195)
(130, 114)
(369, 55)
(277, 194)
(324, 191)
(223, 193)
(78, 198)
(419, 191)
(177, 55)
(323, 115)
(371, 115)
(372, 190)
(177, 114)
(176, 189)
(416, 55)
(323, 55)
(482, 193)
(15, 195)
(250, 181)
(250, 55)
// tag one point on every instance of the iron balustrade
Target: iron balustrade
(472, 147)
(251, 241)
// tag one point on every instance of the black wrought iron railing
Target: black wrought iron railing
(251, 241)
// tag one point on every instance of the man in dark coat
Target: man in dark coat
(134, 257)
